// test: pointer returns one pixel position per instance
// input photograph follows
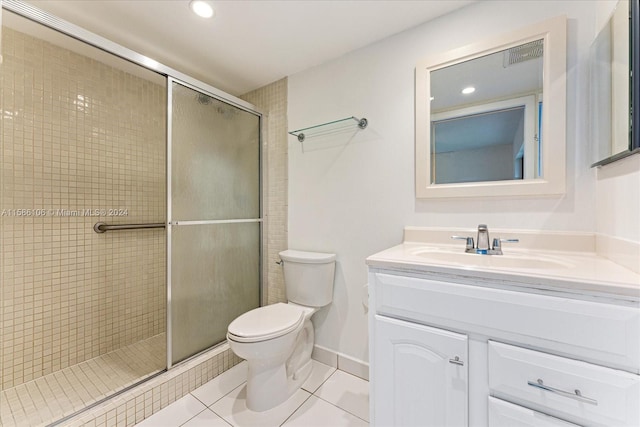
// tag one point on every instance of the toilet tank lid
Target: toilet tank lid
(307, 257)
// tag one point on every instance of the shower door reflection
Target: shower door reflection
(214, 216)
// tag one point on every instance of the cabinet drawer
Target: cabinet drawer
(505, 414)
(605, 334)
(577, 391)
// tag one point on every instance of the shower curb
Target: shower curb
(144, 400)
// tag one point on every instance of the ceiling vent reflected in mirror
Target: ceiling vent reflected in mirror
(524, 52)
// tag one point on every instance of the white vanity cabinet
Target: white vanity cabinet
(505, 414)
(423, 374)
(525, 357)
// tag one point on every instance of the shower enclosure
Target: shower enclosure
(214, 218)
(131, 217)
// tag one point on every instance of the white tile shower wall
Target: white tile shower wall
(272, 99)
(77, 134)
(352, 194)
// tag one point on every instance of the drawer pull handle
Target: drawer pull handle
(577, 395)
(456, 361)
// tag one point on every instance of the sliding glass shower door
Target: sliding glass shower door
(214, 217)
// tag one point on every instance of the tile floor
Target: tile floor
(328, 398)
(61, 393)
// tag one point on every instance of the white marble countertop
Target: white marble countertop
(573, 272)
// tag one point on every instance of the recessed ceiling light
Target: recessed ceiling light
(469, 89)
(201, 8)
(432, 98)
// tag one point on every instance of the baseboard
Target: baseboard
(324, 355)
(348, 364)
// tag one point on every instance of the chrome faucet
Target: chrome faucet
(482, 239)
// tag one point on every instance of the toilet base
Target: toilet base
(274, 380)
(278, 387)
(270, 384)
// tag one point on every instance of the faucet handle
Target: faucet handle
(497, 243)
(505, 241)
(469, 240)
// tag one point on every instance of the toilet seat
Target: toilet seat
(265, 323)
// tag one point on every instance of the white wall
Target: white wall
(618, 196)
(618, 184)
(353, 193)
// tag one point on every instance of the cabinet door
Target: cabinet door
(419, 375)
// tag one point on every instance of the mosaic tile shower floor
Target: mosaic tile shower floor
(59, 394)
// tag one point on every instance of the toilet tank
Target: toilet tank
(308, 277)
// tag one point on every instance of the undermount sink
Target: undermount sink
(525, 261)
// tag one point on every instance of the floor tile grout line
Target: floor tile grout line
(319, 397)
(180, 425)
(44, 387)
(322, 383)
(223, 396)
(348, 412)
(296, 409)
(210, 406)
(309, 394)
(199, 400)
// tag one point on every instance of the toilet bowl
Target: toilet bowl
(277, 340)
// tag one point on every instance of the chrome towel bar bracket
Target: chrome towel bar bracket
(310, 131)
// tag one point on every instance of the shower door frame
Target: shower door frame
(39, 16)
(170, 224)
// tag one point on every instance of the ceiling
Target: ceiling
(248, 43)
(492, 78)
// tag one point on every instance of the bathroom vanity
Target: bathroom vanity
(533, 337)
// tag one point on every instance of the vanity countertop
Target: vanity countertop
(579, 272)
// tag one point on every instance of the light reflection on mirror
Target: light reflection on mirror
(490, 133)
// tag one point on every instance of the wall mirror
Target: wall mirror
(490, 117)
(612, 86)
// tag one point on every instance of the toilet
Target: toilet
(277, 340)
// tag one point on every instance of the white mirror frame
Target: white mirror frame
(554, 94)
